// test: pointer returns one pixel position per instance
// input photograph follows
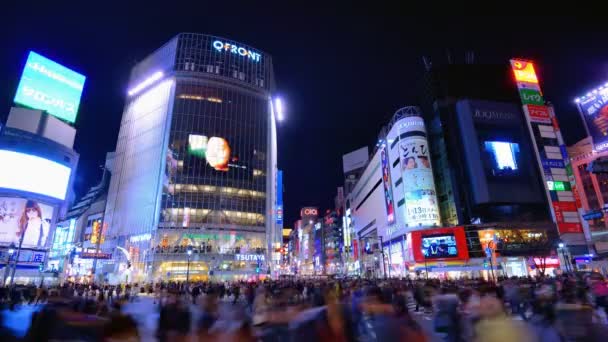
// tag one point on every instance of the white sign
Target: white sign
(140, 237)
(249, 257)
(219, 46)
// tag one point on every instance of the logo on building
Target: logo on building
(237, 50)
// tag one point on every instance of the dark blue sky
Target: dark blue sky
(342, 75)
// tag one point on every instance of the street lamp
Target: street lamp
(11, 251)
(426, 269)
(561, 248)
(189, 251)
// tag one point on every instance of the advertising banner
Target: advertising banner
(565, 206)
(594, 110)
(386, 182)
(417, 174)
(539, 114)
(531, 97)
(19, 216)
(26, 257)
(440, 244)
(50, 86)
(569, 228)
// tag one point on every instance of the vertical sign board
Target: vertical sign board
(386, 181)
(551, 151)
(279, 204)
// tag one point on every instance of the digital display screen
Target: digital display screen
(504, 156)
(215, 150)
(439, 246)
(29, 173)
(594, 109)
(49, 86)
(19, 216)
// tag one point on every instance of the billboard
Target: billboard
(215, 150)
(419, 187)
(440, 244)
(50, 86)
(24, 172)
(594, 109)
(27, 218)
(387, 183)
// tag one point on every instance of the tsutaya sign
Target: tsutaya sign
(239, 50)
(249, 257)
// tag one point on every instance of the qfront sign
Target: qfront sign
(237, 50)
(249, 257)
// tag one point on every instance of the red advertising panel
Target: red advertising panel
(569, 228)
(355, 250)
(443, 244)
(539, 114)
(565, 206)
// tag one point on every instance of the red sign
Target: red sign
(538, 113)
(564, 206)
(309, 212)
(564, 228)
(577, 196)
(549, 262)
(555, 124)
(355, 250)
(459, 235)
(559, 217)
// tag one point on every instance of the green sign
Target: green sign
(569, 169)
(558, 186)
(531, 96)
(49, 86)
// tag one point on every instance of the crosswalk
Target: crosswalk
(424, 313)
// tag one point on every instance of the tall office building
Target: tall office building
(194, 186)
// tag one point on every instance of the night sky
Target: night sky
(342, 76)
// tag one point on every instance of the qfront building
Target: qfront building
(193, 193)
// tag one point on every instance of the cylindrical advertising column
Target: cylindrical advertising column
(421, 209)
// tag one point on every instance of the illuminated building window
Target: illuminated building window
(200, 98)
(258, 173)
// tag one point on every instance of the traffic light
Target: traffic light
(257, 270)
(41, 267)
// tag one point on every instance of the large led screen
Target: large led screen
(439, 246)
(19, 171)
(595, 115)
(49, 86)
(19, 216)
(503, 157)
(215, 150)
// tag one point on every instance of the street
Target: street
(145, 312)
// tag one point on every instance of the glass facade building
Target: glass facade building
(196, 162)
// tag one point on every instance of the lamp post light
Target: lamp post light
(561, 249)
(426, 269)
(11, 251)
(189, 251)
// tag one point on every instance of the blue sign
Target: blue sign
(556, 164)
(279, 204)
(592, 215)
(564, 151)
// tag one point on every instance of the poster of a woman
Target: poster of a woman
(33, 225)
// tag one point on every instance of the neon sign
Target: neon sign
(524, 71)
(237, 50)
